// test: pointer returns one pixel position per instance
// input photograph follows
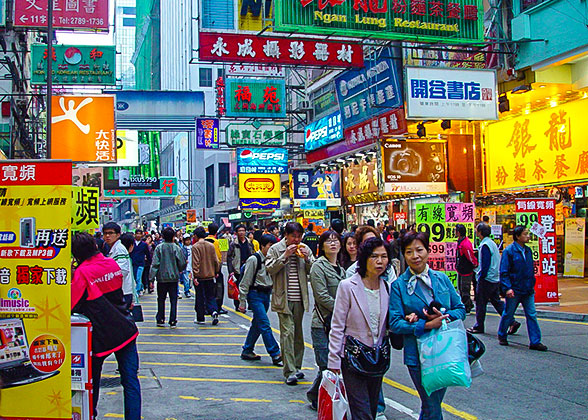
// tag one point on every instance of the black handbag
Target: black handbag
(364, 360)
(137, 313)
(476, 348)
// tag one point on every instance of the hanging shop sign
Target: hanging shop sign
(255, 70)
(35, 291)
(168, 188)
(414, 167)
(325, 131)
(313, 204)
(87, 177)
(220, 97)
(256, 98)
(575, 234)
(458, 21)
(75, 65)
(127, 149)
(543, 147)
(84, 209)
(207, 133)
(360, 182)
(90, 15)
(400, 218)
(239, 48)
(438, 220)
(256, 134)
(367, 92)
(538, 215)
(447, 93)
(259, 191)
(83, 128)
(314, 214)
(325, 101)
(191, 216)
(311, 186)
(386, 124)
(266, 160)
(259, 203)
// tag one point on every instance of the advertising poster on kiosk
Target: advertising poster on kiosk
(575, 230)
(35, 261)
(538, 215)
(439, 220)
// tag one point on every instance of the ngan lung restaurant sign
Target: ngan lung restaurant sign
(449, 21)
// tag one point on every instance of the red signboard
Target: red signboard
(67, 14)
(215, 46)
(390, 123)
(35, 172)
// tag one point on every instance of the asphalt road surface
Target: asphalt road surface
(195, 372)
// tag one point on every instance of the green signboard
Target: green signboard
(256, 134)
(447, 21)
(256, 98)
(75, 65)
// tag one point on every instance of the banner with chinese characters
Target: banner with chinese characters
(414, 167)
(539, 148)
(383, 125)
(84, 208)
(75, 65)
(207, 133)
(259, 191)
(256, 134)
(127, 150)
(438, 220)
(239, 48)
(360, 182)
(35, 261)
(168, 188)
(265, 160)
(310, 186)
(256, 98)
(458, 21)
(255, 70)
(83, 128)
(575, 234)
(538, 215)
(323, 132)
(88, 15)
(448, 93)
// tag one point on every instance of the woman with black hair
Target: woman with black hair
(359, 316)
(348, 254)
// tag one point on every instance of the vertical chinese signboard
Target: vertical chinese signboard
(538, 215)
(84, 209)
(35, 260)
(575, 231)
(90, 15)
(207, 133)
(83, 128)
(438, 220)
(256, 98)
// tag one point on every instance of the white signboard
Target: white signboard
(445, 93)
(255, 70)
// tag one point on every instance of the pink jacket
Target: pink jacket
(351, 317)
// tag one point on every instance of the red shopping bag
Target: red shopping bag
(332, 399)
(232, 288)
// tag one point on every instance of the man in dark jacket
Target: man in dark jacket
(239, 251)
(517, 281)
(138, 255)
(311, 239)
(96, 292)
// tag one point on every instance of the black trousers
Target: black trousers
(205, 299)
(163, 290)
(464, 284)
(220, 289)
(363, 393)
(487, 292)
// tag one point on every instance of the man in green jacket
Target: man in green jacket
(168, 262)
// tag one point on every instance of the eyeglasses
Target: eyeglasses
(376, 257)
(333, 241)
(109, 233)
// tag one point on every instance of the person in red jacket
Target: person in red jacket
(96, 292)
(466, 262)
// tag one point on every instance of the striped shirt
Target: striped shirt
(293, 290)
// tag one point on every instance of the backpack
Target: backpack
(257, 268)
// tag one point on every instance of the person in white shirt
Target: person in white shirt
(111, 232)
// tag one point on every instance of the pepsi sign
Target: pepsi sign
(266, 160)
(323, 132)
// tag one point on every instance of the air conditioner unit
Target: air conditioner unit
(304, 105)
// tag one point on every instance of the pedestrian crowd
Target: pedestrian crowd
(372, 287)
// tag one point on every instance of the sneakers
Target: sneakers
(188, 296)
(215, 318)
(299, 374)
(198, 322)
(179, 295)
(277, 361)
(502, 341)
(292, 380)
(250, 356)
(514, 327)
(173, 326)
(475, 330)
(161, 325)
(538, 347)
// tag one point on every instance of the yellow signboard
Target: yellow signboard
(35, 290)
(314, 214)
(84, 208)
(252, 14)
(543, 147)
(259, 186)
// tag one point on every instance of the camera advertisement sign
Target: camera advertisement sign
(265, 160)
(35, 289)
(414, 167)
(167, 188)
(449, 93)
(322, 132)
(310, 186)
(538, 215)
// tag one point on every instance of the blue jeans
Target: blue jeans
(185, 280)
(128, 366)
(260, 325)
(430, 404)
(320, 344)
(528, 302)
(138, 273)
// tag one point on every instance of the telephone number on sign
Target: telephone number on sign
(81, 21)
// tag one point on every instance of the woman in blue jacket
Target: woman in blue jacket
(410, 296)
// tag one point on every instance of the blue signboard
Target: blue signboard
(323, 132)
(207, 133)
(266, 160)
(313, 204)
(370, 91)
(311, 186)
(259, 203)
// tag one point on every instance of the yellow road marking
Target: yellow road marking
(458, 413)
(114, 416)
(223, 380)
(557, 321)
(254, 400)
(188, 397)
(111, 393)
(297, 401)
(213, 399)
(208, 365)
(197, 335)
(181, 353)
(190, 344)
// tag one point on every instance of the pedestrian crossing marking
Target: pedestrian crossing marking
(236, 381)
(208, 365)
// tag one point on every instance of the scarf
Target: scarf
(424, 277)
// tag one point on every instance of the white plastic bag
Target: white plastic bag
(332, 399)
